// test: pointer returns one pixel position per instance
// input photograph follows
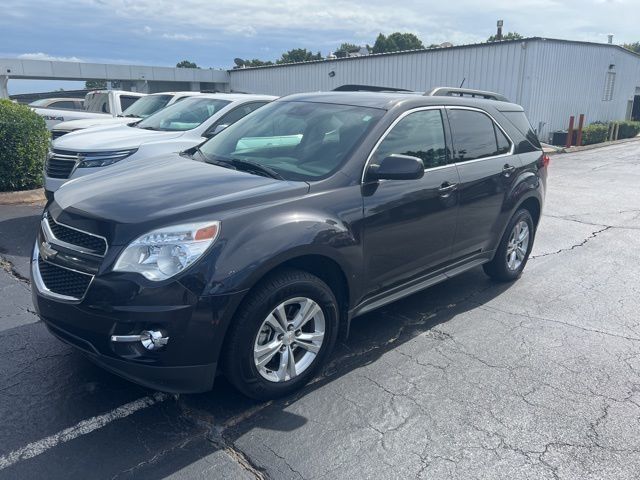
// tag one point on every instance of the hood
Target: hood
(118, 137)
(134, 198)
(72, 125)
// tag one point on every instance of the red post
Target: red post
(580, 125)
(570, 132)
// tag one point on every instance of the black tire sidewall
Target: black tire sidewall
(240, 365)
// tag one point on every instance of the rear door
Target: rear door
(487, 167)
(409, 225)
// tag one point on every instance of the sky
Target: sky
(213, 32)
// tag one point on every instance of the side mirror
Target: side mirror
(397, 167)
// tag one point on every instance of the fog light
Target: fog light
(150, 339)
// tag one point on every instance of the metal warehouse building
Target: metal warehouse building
(552, 79)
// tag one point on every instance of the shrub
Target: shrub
(24, 140)
(594, 133)
(628, 129)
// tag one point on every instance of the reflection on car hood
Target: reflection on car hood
(116, 137)
(72, 125)
(168, 187)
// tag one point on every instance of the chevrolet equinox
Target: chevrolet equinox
(254, 250)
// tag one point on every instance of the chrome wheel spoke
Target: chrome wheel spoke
(311, 342)
(264, 353)
(274, 323)
(307, 311)
(287, 367)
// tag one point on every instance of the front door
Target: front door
(409, 225)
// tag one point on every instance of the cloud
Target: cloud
(181, 36)
(147, 29)
(44, 56)
(244, 30)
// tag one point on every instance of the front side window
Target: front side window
(127, 101)
(146, 106)
(186, 115)
(419, 134)
(475, 135)
(298, 140)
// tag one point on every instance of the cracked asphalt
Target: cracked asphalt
(539, 379)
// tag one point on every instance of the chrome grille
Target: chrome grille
(60, 164)
(78, 240)
(62, 281)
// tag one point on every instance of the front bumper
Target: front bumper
(118, 305)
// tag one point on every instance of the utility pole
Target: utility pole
(4, 86)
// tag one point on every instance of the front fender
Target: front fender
(262, 244)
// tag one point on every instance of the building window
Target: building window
(609, 85)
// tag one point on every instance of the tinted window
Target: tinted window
(299, 140)
(66, 104)
(185, 115)
(419, 134)
(474, 135)
(519, 120)
(238, 113)
(146, 106)
(126, 102)
(503, 142)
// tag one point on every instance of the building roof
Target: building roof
(439, 49)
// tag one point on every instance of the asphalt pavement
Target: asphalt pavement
(539, 379)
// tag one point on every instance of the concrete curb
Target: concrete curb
(26, 196)
(593, 147)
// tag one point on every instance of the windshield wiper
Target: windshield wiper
(256, 167)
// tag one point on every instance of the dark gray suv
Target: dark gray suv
(254, 250)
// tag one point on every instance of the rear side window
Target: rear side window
(520, 121)
(419, 134)
(475, 136)
(65, 104)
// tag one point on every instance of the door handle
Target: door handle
(447, 187)
(508, 169)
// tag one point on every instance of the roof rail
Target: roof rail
(466, 92)
(368, 88)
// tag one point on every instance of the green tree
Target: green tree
(95, 84)
(186, 64)
(634, 47)
(345, 49)
(397, 42)
(241, 63)
(508, 36)
(298, 55)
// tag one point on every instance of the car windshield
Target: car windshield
(297, 140)
(147, 106)
(184, 115)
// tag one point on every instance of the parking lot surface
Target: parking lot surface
(539, 379)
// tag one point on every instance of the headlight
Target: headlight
(165, 252)
(102, 159)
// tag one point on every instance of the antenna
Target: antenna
(462, 83)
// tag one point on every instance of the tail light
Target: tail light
(545, 160)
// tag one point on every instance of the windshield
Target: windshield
(145, 106)
(184, 115)
(97, 102)
(39, 103)
(297, 140)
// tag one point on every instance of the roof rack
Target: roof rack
(466, 92)
(368, 88)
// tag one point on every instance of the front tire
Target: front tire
(514, 249)
(281, 335)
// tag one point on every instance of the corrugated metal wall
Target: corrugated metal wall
(550, 79)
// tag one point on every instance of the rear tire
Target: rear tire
(514, 249)
(272, 348)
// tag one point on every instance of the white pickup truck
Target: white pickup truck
(97, 104)
(140, 110)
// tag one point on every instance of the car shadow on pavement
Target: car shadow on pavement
(230, 416)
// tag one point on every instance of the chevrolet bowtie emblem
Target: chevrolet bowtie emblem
(46, 251)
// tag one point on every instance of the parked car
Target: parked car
(62, 103)
(255, 249)
(172, 129)
(142, 108)
(97, 104)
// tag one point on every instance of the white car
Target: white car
(173, 129)
(142, 108)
